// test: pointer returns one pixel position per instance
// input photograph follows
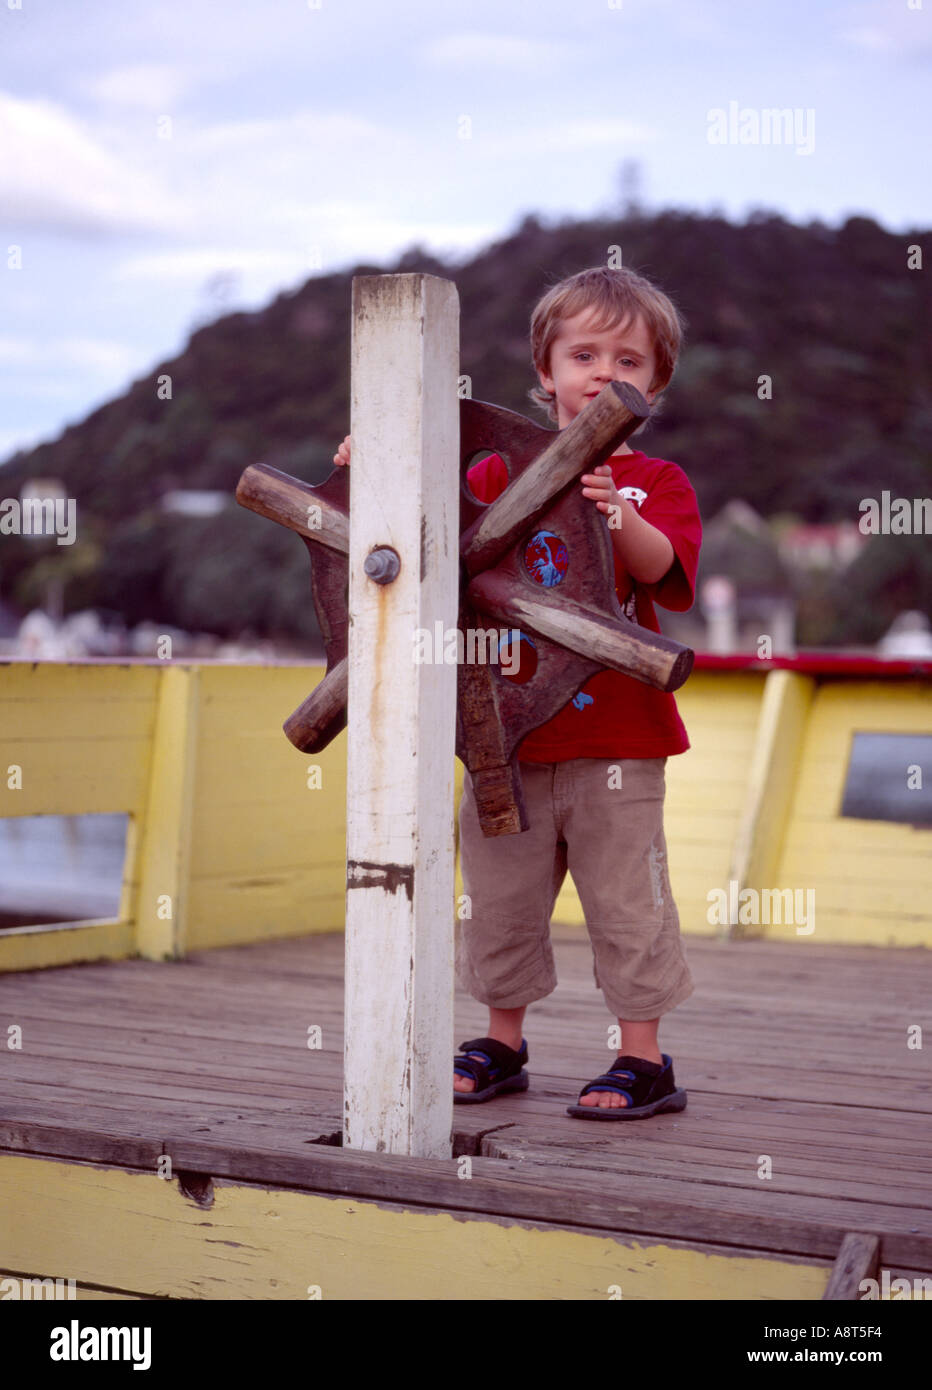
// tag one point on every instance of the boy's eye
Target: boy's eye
(628, 361)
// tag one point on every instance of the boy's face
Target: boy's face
(582, 362)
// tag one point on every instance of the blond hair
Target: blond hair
(615, 296)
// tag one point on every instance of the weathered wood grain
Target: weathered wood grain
(399, 772)
(319, 718)
(647, 656)
(857, 1259)
(295, 504)
(205, 1058)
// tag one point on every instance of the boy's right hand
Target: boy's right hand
(342, 455)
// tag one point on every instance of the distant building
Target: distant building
(832, 546)
(908, 636)
(745, 591)
(191, 502)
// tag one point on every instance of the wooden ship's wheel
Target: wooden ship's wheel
(538, 559)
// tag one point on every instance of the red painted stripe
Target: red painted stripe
(829, 663)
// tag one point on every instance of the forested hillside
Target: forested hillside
(833, 316)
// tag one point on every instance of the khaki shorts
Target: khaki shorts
(611, 840)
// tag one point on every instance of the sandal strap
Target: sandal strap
(500, 1061)
(472, 1067)
(640, 1065)
(642, 1077)
(610, 1081)
(499, 1052)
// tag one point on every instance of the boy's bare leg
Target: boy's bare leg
(505, 1026)
(638, 1039)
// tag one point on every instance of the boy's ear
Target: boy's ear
(655, 391)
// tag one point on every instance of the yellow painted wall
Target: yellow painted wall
(268, 853)
(135, 1233)
(246, 850)
(264, 855)
(81, 733)
(872, 879)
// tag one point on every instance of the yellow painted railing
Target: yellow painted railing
(236, 837)
(233, 837)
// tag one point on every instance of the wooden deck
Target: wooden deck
(791, 1051)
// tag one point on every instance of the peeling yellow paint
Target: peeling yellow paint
(135, 1232)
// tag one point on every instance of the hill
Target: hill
(832, 316)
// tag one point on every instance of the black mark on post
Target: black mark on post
(423, 547)
(361, 874)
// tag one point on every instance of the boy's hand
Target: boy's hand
(342, 455)
(600, 486)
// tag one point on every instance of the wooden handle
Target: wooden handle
(614, 642)
(293, 504)
(617, 411)
(317, 721)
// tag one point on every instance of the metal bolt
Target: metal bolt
(383, 564)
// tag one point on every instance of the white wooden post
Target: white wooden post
(404, 496)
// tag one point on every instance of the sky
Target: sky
(163, 162)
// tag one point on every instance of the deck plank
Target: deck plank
(789, 1049)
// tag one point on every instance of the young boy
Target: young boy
(597, 326)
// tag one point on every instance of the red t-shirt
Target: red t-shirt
(616, 716)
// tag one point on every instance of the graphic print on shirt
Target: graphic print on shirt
(637, 495)
(633, 494)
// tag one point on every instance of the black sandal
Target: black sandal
(648, 1087)
(497, 1069)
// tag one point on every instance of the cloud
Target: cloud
(18, 350)
(90, 355)
(151, 86)
(518, 54)
(326, 237)
(873, 40)
(538, 140)
(12, 441)
(585, 135)
(306, 131)
(879, 29)
(56, 176)
(103, 355)
(199, 262)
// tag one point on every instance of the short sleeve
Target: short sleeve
(671, 505)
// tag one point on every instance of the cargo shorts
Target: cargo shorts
(601, 819)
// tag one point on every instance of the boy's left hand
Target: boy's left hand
(600, 486)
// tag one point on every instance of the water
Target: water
(61, 868)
